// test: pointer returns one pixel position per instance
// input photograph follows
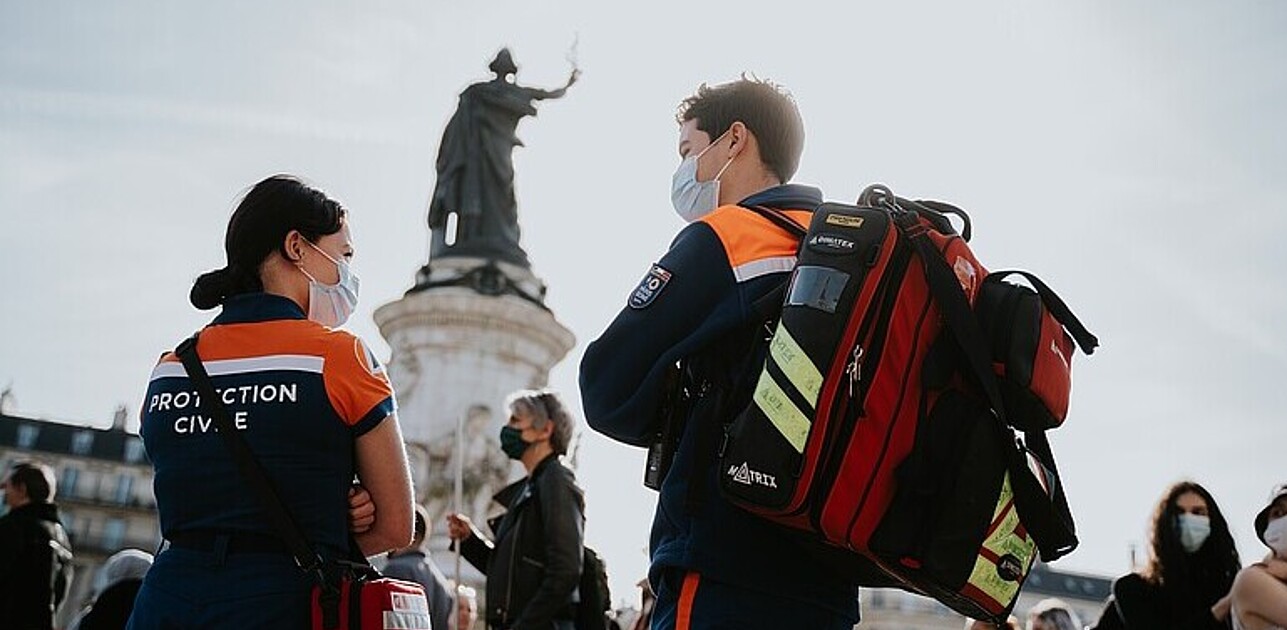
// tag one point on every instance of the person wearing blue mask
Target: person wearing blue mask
(1191, 568)
(534, 563)
(312, 403)
(1260, 590)
(677, 362)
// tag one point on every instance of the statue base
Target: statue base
(457, 352)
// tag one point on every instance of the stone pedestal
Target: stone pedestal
(456, 354)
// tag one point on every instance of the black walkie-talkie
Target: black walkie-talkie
(671, 412)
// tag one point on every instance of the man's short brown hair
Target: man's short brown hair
(764, 107)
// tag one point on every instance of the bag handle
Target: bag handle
(1064, 315)
(1053, 530)
(253, 473)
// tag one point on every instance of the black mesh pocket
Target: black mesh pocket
(947, 492)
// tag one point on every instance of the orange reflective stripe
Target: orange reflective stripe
(752, 242)
(687, 593)
(256, 339)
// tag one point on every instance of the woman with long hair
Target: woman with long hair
(1191, 568)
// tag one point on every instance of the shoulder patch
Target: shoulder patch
(366, 358)
(649, 288)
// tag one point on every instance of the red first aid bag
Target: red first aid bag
(361, 599)
(900, 415)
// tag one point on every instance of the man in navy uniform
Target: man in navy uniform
(714, 565)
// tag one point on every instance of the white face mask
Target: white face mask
(331, 304)
(1276, 536)
(693, 199)
(1194, 530)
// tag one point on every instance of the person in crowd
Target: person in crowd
(35, 553)
(534, 565)
(116, 585)
(714, 565)
(311, 401)
(466, 607)
(412, 564)
(1011, 624)
(1260, 590)
(1053, 614)
(1192, 563)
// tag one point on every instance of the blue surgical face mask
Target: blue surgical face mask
(1276, 536)
(331, 304)
(1194, 530)
(693, 199)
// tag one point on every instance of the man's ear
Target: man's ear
(741, 138)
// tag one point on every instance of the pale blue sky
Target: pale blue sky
(1132, 154)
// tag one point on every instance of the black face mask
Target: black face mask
(511, 439)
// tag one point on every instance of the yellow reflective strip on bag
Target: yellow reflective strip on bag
(785, 416)
(797, 366)
(1004, 541)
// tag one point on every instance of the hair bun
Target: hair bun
(211, 289)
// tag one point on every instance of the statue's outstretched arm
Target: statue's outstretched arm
(539, 94)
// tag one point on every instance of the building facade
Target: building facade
(104, 491)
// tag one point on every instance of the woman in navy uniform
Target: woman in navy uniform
(314, 405)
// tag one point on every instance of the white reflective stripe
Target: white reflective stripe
(292, 362)
(394, 620)
(763, 266)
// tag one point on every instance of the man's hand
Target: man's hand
(361, 509)
(459, 527)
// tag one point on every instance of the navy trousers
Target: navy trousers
(687, 601)
(211, 589)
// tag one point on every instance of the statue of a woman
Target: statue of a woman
(476, 168)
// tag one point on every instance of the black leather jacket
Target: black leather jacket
(535, 564)
(31, 542)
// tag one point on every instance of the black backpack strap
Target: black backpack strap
(1064, 315)
(1052, 528)
(780, 219)
(254, 475)
(708, 438)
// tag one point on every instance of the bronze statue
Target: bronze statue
(476, 168)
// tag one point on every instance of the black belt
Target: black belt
(232, 542)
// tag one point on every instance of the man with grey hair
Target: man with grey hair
(35, 554)
(1053, 614)
(534, 565)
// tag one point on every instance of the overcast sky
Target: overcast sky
(1134, 155)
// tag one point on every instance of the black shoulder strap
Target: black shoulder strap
(1052, 527)
(1064, 315)
(251, 471)
(780, 219)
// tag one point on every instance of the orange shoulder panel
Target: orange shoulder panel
(258, 339)
(748, 237)
(355, 381)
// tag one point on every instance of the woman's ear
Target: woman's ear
(293, 246)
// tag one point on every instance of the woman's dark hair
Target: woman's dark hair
(259, 226)
(1203, 576)
(36, 478)
(764, 107)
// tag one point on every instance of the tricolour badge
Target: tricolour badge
(649, 288)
